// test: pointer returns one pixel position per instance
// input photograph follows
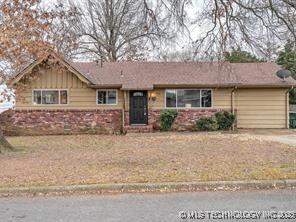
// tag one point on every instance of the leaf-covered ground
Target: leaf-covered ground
(161, 157)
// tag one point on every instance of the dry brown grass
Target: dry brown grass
(88, 159)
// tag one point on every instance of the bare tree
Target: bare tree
(61, 36)
(117, 29)
(254, 24)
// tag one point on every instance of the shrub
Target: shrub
(224, 120)
(207, 124)
(167, 118)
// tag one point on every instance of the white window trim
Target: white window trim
(106, 90)
(50, 90)
(212, 101)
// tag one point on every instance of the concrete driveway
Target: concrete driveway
(285, 136)
(286, 139)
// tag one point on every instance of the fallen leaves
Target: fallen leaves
(161, 157)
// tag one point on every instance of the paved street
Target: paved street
(141, 207)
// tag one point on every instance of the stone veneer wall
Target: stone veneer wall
(46, 122)
(185, 121)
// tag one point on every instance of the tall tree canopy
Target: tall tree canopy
(21, 32)
(258, 25)
(26, 33)
(21, 38)
(287, 57)
(240, 56)
(116, 29)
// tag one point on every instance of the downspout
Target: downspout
(233, 104)
(287, 108)
(123, 112)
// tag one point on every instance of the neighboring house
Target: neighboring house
(91, 97)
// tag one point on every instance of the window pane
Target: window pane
(206, 98)
(102, 97)
(37, 97)
(188, 98)
(112, 97)
(170, 98)
(63, 97)
(50, 97)
(138, 94)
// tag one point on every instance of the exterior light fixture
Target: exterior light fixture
(152, 96)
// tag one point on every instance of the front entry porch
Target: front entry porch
(137, 115)
(138, 107)
(143, 108)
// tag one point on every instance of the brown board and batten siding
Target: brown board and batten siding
(79, 95)
(261, 108)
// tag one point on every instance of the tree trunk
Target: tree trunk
(4, 144)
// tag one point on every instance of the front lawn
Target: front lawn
(161, 157)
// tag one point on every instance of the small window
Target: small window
(64, 97)
(171, 98)
(107, 97)
(206, 98)
(138, 94)
(50, 97)
(102, 97)
(188, 98)
(37, 97)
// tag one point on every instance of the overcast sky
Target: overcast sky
(4, 104)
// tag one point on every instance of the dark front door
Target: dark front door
(138, 107)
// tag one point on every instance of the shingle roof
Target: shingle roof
(146, 75)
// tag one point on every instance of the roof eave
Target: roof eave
(195, 85)
(266, 85)
(137, 88)
(104, 86)
(237, 85)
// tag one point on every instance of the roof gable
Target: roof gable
(58, 58)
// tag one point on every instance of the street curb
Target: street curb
(154, 187)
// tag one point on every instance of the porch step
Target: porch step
(138, 129)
